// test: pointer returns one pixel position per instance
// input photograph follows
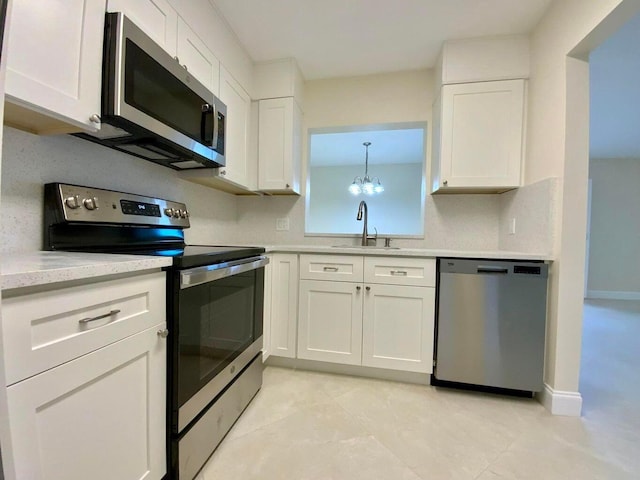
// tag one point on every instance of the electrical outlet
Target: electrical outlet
(282, 224)
(512, 226)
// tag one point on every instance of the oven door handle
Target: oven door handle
(199, 275)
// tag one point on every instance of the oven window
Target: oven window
(217, 322)
(151, 88)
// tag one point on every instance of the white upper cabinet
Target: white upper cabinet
(480, 137)
(156, 18)
(239, 173)
(54, 65)
(503, 57)
(278, 79)
(238, 105)
(479, 115)
(279, 145)
(194, 55)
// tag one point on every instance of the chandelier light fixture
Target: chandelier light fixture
(366, 185)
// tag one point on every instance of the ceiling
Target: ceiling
(615, 95)
(387, 146)
(338, 38)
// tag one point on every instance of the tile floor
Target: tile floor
(312, 426)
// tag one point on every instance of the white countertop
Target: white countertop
(408, 252)
(40, 268)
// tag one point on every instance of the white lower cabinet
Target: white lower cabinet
(330, 321)
(101, 416)
(397, 329)
(284, 305)
(85, 368)
(383, 317)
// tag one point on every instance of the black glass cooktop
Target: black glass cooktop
(199, 255)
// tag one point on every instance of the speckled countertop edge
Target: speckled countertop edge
(409, 252)
(40, 268)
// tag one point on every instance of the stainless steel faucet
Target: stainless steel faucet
(365, 234)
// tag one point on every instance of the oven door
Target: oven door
(219, 330)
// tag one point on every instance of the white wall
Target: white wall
(557, 146)
(397, 210)
(614, 256)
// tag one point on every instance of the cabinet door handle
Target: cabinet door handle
(368, 288)
(401, 273)
(330, 269)
(445, 183)
(358, 288)
(164, 333)
(99, 317)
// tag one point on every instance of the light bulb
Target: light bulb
(367, 188)
(355, 189)
(378, 188)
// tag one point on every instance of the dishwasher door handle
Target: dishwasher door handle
(492, 269)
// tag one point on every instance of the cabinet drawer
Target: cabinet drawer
(400, 271)
(45, 329)
(341, 268)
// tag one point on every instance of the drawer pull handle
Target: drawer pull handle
(402, 273)
(330, 269)
(99, 317)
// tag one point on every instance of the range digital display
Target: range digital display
(140, 208)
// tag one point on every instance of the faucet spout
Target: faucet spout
(363, 207)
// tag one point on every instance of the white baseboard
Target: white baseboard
(561, 403)
(611, 295)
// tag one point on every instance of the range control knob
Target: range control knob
(187, 214)
(176, 213)
(168, 212)
(183, 214)
(90, 203)
(73, 202)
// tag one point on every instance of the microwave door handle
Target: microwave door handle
(207, 109)
(214, 140)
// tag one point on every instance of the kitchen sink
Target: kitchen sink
(369, 247)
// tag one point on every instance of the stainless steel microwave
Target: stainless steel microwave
(154, 108)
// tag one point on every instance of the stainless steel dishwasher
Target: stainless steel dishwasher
(491, 324)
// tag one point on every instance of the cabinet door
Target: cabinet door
(194, 55)
(101, 416)
(398, 327)
(330, 322)
(482, 134)
(156, 18)
(238, 105)
(54, 61)
(279, 145)
(284, 305)
(266, 314)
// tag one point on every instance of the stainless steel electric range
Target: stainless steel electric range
(215, 297)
